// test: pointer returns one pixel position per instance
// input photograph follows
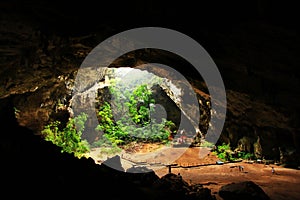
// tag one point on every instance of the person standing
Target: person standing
(273, 170)
(183, 136)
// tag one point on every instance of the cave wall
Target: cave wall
(254, 47)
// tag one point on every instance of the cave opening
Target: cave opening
(174, 102)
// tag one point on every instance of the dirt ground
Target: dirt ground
(283, 185)
(198, 165)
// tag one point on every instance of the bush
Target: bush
(136, 124)
(224, 152)
(69, 139)
(245, 156)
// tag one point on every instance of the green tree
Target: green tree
(135, 125)
(69, 138)
(139, 104)
(112, 132)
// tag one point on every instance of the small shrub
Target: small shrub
(245, 156)
(224, 152)
(207, 144)
(69, 139)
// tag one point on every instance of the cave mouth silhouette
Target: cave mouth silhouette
(164, 108)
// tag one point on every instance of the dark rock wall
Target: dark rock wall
(35, 168)
(254, 44)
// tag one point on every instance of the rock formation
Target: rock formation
(243, 190)
(43, 45)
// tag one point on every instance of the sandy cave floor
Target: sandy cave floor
(283, 185)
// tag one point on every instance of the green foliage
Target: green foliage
(245, 156)
(110, 150)
(207, 144)
(224, 147)
(139, 104)
(69, 138)
(135, 125)
(224, 152)
(112, 132)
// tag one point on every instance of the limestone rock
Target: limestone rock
(247, 190)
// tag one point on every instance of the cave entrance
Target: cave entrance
(139, 111)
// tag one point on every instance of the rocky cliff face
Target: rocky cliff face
(257, 61)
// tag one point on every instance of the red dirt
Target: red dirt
(283, 185)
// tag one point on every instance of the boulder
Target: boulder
(246, 190)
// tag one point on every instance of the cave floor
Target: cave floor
(198, 165)
(284, 184)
